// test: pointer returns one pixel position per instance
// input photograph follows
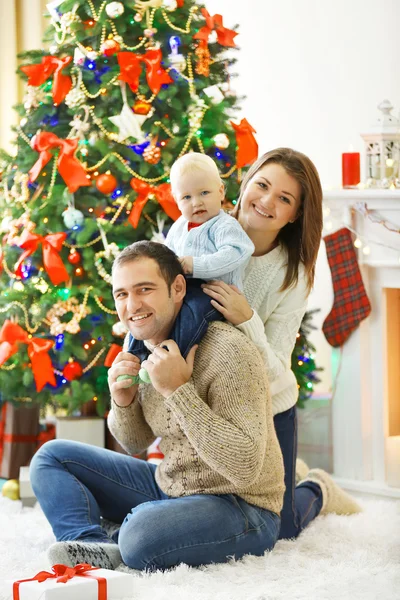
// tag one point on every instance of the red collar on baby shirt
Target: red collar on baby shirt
(191, 225)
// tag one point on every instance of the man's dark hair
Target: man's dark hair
(167, 260)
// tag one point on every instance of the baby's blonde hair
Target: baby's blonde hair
(191, 163)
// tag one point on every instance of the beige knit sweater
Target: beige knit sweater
(217, 430)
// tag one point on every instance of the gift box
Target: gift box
(81, 582)
(19, 428)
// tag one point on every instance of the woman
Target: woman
(280, 209)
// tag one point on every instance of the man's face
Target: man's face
(144, 304)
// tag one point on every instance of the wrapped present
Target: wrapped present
(82, 582)
(19, 428)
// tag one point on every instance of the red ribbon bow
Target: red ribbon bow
(69, 167)
(130, 67)
(247, 147)
(224, 36)
(52, 261)
(11, 335)
(50, 65)
(63, 574)
(161, 192)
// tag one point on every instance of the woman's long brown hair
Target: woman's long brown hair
(301, 238)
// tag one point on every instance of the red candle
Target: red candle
(350, 169)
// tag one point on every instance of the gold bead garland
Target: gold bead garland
(22, 307)
(175, 27)
(112, 251)
(80, 311)
(104, 308)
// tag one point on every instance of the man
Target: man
(218, 492)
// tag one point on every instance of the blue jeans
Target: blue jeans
(303, 503)
(191, 323)
(76, 484)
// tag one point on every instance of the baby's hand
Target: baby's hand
(187, 264)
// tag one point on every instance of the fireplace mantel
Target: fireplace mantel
(366, 370)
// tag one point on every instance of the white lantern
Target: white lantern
(382, 148)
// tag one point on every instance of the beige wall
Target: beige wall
(21, 28)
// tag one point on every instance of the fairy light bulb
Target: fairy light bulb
(366, 250)
(358, 243)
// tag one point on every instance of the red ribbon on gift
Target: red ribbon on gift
(112, 354)
(50, 65)
(161, 192)
(11, 335)
(63, 574)
(247, 147)
(51, 245)
(130, 67)
(224, 36)
(46, 435)
(69, 167)
(180, 3)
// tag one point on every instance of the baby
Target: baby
(210, 243)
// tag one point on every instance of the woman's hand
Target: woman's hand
(229, 301)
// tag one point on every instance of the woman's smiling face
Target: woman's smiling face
(271, 200)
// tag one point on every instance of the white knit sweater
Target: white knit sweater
(275, 322)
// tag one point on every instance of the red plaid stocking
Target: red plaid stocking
(351, 304)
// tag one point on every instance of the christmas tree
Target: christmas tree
(303, 360)
(124, 90)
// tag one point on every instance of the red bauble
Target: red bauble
(72, 370)
(106, 184)
(89, 23)
(74, 257)
(110, 47)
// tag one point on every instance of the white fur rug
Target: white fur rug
(355, 558)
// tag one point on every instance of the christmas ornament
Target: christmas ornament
(129, 124)
(115, 9)
(214, 93)
(150, 32)
(52, 9)
(11, 489)
(72, 218)
(152, 154)
(143, 5)
(79, 57)
(79, 272)
(203, 60)
(110, 47)
(221, 141)
(80, 126)
(141, 107)
(224, 36)
(176, 60)
(68, 19)
(106, 183)
(71, 305)
(351, 304)
(74, 257)
(34, 97)
(76, 96)
(119, 329)
(196, 112)
(170, 5)
(72, 370)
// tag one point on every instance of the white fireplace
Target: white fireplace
(366, 370)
